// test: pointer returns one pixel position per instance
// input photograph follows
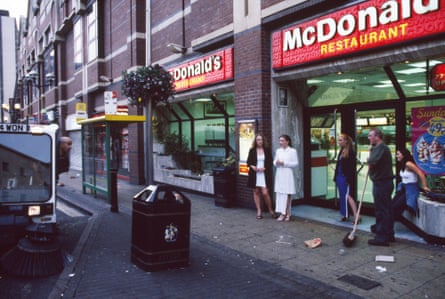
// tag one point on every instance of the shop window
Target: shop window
(77, 44)
(282, 97)
(373, 84)
(203, 125)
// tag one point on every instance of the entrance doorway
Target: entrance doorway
(325, 126)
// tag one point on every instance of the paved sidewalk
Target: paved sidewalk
(233, 255)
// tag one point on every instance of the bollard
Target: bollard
(113, 191)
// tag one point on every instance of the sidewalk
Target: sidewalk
(102, 264)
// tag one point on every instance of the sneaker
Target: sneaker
(375, 242)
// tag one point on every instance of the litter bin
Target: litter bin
(160, 237)
(224, 186)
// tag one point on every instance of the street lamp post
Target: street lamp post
(33, 79)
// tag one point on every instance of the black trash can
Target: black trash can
(160, 237)
(224, 186)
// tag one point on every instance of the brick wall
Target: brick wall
(252, 91)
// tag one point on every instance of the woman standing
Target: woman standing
(260, 161)
(286, 160)
(344, 176)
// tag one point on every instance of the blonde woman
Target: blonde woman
(345, 174)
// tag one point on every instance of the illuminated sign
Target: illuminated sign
(360, 27)
(206, 70)
(438, 77)
(247, 131)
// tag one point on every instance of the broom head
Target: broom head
(349, 239)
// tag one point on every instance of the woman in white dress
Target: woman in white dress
(286, 160)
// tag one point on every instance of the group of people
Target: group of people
(260, 177)
(380, 171)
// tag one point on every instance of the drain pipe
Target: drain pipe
(147, 134)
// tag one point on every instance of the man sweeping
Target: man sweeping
(381, 174)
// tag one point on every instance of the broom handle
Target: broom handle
(357, 216)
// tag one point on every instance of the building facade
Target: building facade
(7, 65)
(308, 69)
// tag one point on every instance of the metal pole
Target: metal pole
(149, 143)
(113, 190)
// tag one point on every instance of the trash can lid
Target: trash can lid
(161, 192)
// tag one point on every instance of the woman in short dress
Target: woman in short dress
(259, 162)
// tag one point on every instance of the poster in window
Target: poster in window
(247, 131)
(428, 138)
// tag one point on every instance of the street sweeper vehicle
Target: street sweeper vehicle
(28, 198)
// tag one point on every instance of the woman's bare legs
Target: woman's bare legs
(267, 200)
(353, 206)
(256, 198)
(288, 209)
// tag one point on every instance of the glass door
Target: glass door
(325, 128)
(324, 150)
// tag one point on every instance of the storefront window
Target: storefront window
(374, 84)
(414, 78)
(206, 127)
(357, 86)
(342, 103)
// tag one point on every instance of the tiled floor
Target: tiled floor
(333, 217)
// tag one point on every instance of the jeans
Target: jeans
(343, 190)
(382, 190)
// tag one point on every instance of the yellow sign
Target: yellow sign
(81, 107)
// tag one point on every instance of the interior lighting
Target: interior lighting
(347, 80)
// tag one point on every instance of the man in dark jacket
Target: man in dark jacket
(64, 145)
(381, 174)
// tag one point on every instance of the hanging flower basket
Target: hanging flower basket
(147, 83)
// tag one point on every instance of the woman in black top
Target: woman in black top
(260, 176)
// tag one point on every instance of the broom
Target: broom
(349, 239)
(38, 254)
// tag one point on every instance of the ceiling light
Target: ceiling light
(390, 82)
(383, 86)
(414, 84)
(314, 81)
(411, 71)
(434, 62)
(345, 80)
(423, 90)
(202, 100)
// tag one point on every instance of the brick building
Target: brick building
(309, 69)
